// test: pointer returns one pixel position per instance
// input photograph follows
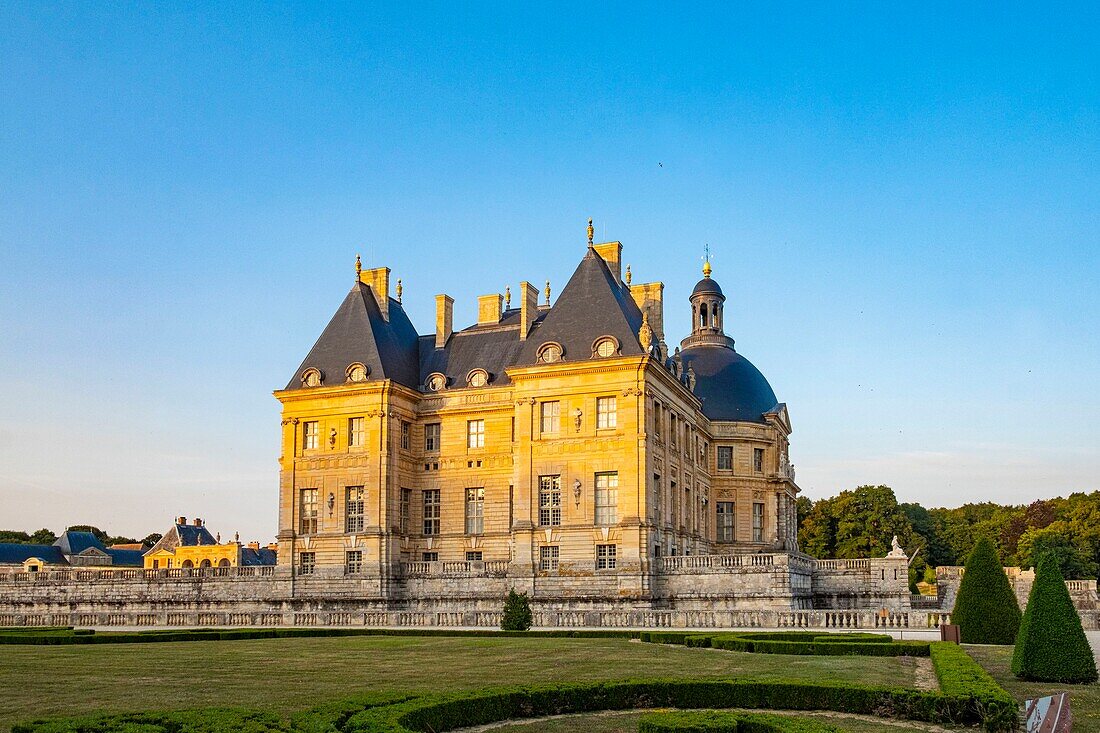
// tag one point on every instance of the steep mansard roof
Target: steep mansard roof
(359, 333)
(592, 304)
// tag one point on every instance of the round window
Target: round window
(311, 378)
(357, 373)
(436, 382)
(606, 347)
(550, 353)
(478, 378)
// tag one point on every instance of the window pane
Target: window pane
(356, 432)
(550, 417)
(757, 522)
(725, 458)
(431, 511)
(549, 501)
(307, 511)
(548, 557)
(310, 431)
(354, 509)
(475, 511)
(475, 433)
(606, 412)
(724, 521)
(607, 498)
(431, 437)
(606, 556)
(353, 561)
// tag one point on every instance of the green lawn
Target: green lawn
(286, 675)
(1084, 700)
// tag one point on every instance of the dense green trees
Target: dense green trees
(860, 523)
(985, 609)
(1051, 646)
(517, 612)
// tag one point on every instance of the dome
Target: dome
(707, 286)
(730, 387)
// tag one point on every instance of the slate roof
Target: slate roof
(262, 556)
(74, 543)
(592, 304)
(12, 554)
(728, 384)
(357, 332)
(126, 558)
(708, 285)
(190, 535)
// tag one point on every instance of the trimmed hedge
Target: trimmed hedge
(89, 636)
(1052, 646)
(718, 721)
(207, 720)
(804, 643)
(986, 610)
(962, 678)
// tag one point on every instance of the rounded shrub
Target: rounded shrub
(986, 609)
(517, 612)
(1051, 646)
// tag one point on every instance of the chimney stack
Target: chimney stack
(181, 520)
(444, 319)
(254, 545)
(528, 308)
(198, 522)
(488, 309)
(612, 254)
(378, 279)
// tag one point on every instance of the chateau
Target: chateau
(565, 443)
(560, 448)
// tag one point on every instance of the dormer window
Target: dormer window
(357, 372)
(435, 382)
(477, 378)
(605, 347)
(311, 377)
(550, 353)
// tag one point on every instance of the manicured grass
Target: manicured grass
(286, 675)
(1084, 699)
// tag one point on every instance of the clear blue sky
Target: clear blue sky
(904, 209)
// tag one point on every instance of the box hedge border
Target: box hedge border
(794, 642)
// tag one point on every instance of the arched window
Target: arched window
(223, 563)
(550, 352)
(477, 378)
(187, 564)
(605, 346)
(311, 377)
(204, 564)
(702, 315)
(357, 372)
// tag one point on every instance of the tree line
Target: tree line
(861, 522)
(47, 537)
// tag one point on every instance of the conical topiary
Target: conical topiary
(517, 612)
(1052, 646)
(985, 609)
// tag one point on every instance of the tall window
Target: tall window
(606, 412)
(549, 501)
(475, 433)
(606, 556)
(607, 498)
(758, 460)
(307, 562)
(550, 414)
(353, 561)
(724, 522)
(353, 509)
(657, 419)
(672, 430)
(725, 458)
(757, 522)
(307, 511)
(405, 428)
(548, 557)
(357, 432)
(431, 437)
(310, 433)
(475, 511)
(431, 511)
(406, 509)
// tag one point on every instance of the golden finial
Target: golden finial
(399, 290)
(591, 231)
(628, 276)
(507, 297)
(645, 333)
(547, 291)
(706, 260)
(358, 267)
